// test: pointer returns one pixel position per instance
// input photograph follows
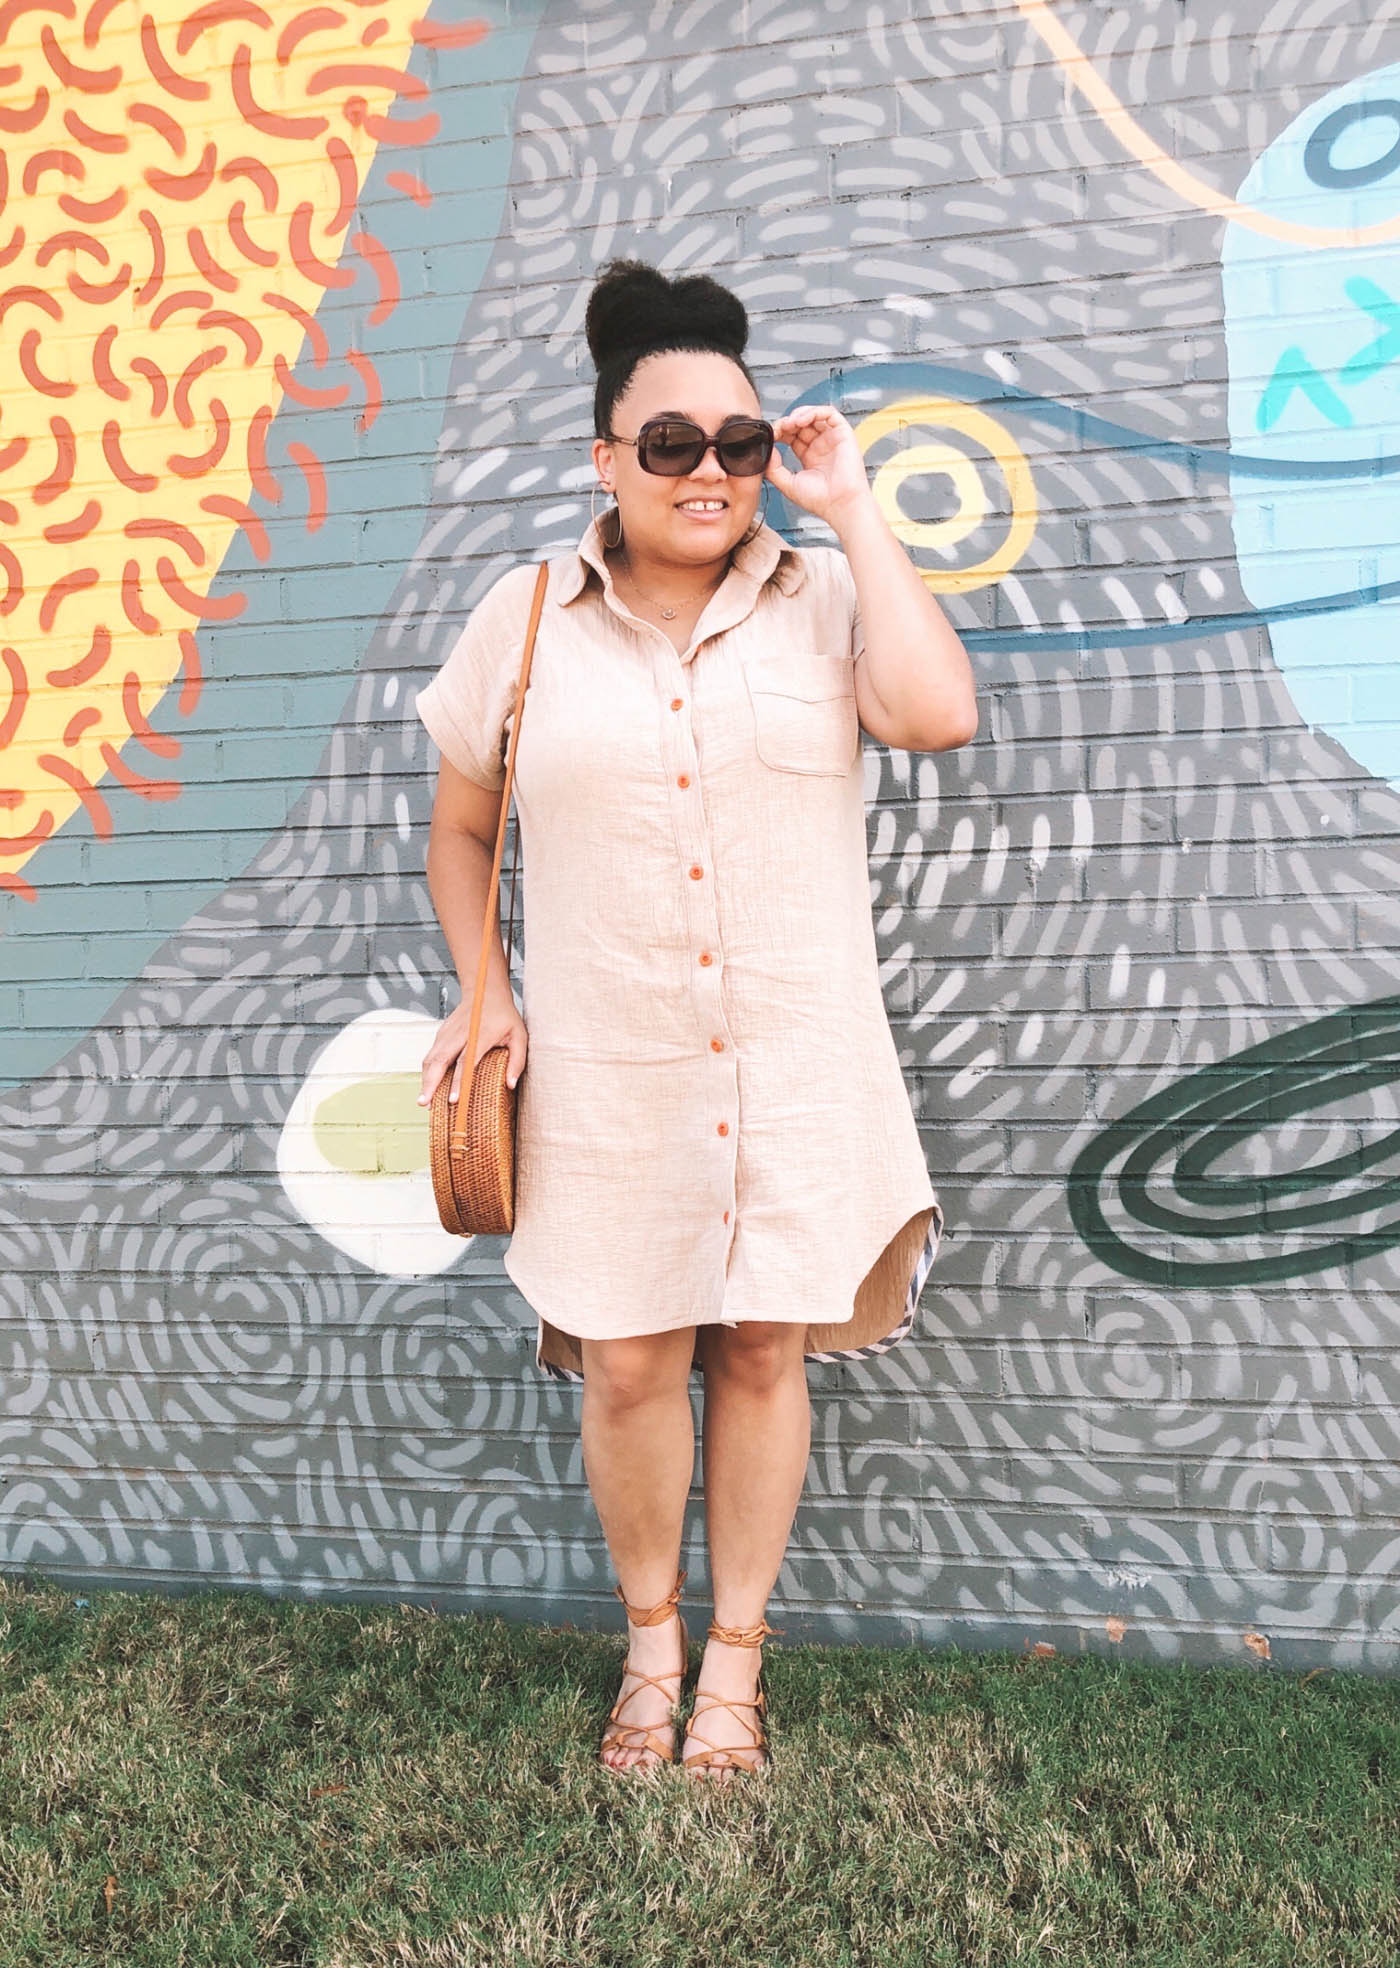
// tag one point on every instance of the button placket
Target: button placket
(703, 916)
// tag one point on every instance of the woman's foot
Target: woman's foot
(641, 1730)
(723, 1741)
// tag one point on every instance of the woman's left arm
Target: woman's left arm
(914, 683)
(914, 686)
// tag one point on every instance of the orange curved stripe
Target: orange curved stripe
(159, 119)
(214, 15)
(242, 515)
(236, 325)
(268, 121)
(381, 264)
(67, 585)
(342, 161)
(203, 258)
(205, 608)
(201, 463)
(26, 843)
(193, 669)
(411, 185)
(307, 262)
(93, 19)
(125, 474)
(374, 393)
(397, 130)
(183, 537)
(155, 279)
(310, 326)
(314, 20)
(259, 471)
(135, 610)
(329, 398)
(449, 34)
(100, 293)
(92, 802)
(208, 358)
(184, 87)
(137, 782)
(314, 472)
(76, 528)
(159, 742)
(29, 343)
(107, 143)
(14, 593)
(92, 81)
(87, 666)
(185, 186)
(19, 695)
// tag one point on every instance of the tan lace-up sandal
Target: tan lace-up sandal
(615, 1730)
(713, 1756)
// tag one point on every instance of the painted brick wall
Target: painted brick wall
(292, 368)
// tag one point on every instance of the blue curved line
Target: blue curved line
(883, 378)
(1084, 424)
(1109, 637)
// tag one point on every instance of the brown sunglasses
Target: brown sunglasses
(672, 446)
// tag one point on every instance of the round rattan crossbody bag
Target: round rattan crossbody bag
(471, 1140)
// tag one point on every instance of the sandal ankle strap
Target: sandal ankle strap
(653, 1615)
(742, 1636)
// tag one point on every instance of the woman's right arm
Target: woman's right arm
(461, 849)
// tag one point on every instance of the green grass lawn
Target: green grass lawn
(235, 1779)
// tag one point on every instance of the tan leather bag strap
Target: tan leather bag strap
(492, 924)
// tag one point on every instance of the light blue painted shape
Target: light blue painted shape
(1313, 342)
(164, 861)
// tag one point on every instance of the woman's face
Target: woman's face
(706, 387)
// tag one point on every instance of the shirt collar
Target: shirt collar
(767, 556)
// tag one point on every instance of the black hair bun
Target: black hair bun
(634, 306)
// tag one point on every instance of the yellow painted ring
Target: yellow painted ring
(996, 441)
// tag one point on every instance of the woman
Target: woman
(717, 1164)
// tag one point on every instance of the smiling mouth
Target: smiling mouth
(710, 506)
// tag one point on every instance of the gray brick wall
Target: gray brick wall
(1150, 1404)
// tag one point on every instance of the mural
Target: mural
(222, 364)
(1114, 319)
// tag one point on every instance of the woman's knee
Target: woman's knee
(626, 1373)
(758, 1351)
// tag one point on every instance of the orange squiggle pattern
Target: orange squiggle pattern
(177, 194)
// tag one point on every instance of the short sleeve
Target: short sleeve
(468, 704)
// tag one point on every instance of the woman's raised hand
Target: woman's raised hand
(831, 466)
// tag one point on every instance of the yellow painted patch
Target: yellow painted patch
(373, 1126)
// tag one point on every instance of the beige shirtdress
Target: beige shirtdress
(712, 1124)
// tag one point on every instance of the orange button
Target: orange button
(724, 1127)
(705, 957)
(716, 1045)
(676, 703)
(726, 1216)
(684, 779)
(696, 874)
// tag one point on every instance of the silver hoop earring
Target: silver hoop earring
(593, 515)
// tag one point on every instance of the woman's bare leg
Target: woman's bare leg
(638, 1436)
(757, 1436)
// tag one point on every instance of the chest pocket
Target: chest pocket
(804, 710)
